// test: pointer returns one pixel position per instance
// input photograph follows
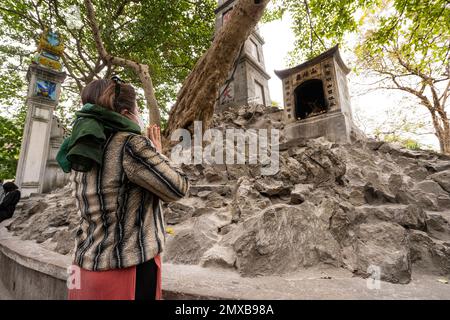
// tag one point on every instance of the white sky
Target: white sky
(370, 107)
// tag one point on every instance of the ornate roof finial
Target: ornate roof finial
(50, 50)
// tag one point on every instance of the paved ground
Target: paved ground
(4, 294)
(193, 281)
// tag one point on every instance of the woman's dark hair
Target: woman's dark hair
(9, 186)
(92, 92)
(118, 96)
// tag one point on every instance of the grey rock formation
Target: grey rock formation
(383, 245)
(300, 192)
(283, 238)
(364, 206)
(443, 178)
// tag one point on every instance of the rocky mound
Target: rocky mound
(367, 207)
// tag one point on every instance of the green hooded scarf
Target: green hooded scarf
(92, 127)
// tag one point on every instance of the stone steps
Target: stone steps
(408, 216)
(224, 190)
(444, 214)
(435, 223)
(438, 225)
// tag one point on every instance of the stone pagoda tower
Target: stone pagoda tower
(37, 170)
(250, 81)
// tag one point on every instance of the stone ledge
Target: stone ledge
(28, 255)
(198, 283)
(31, 255)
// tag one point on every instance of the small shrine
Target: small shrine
(317, 100)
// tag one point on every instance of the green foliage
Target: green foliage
(318, 25)
(415, 33)
(169, 36)
(11, 131)
(420, 28)
(12, 82)
(407, 143)
(404, 44)
(412, 144)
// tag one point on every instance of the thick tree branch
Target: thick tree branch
(67, 58)
(78, 38)
(141, 70)
(311, 26)
(72, 74)
(445, 94)
(196, 99)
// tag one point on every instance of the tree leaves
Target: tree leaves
(168, 36)
(318, 25)
(11, 131)
(406, 42)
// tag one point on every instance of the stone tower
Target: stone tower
(250, 81)
(37, 170)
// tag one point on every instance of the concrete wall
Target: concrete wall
(333, 126)
(25, 283)
(31, 272)
(255, 75)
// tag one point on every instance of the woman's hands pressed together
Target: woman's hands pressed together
(154, 134)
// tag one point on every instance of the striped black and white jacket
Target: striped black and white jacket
(122, 223)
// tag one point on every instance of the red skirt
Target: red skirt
(116, 284)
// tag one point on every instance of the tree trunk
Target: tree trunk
(442, 128)
(196, 99)
(150, 97)
(444, 137)
(445, 144)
